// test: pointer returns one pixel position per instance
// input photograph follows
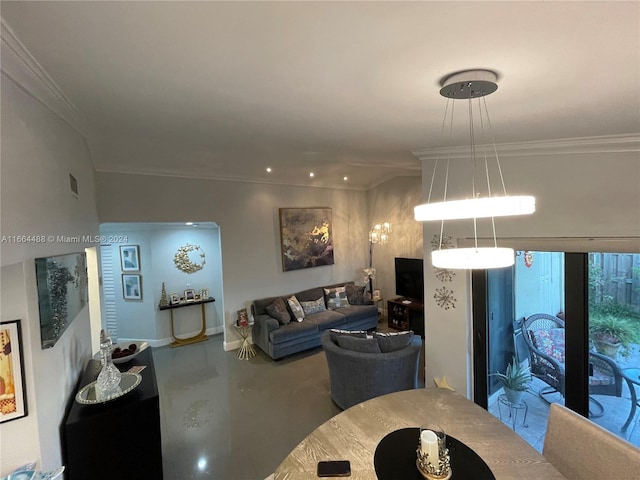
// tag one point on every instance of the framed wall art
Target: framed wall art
(132, 286)
(306, 238)
(130, 258)
(190, 295)
(13, 397)
(62, 293)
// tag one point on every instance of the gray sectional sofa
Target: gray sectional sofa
(279, 340)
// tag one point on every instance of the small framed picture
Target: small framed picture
(376, 294)
(204, 293)
(130, 258)
(243, 318)
(14, 393)
(175, 298)
(132, 286)
(190, 295)
(197, 297)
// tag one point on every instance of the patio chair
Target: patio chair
(544, 336)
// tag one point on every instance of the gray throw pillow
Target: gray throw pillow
(357, 344)
(355, 294)
(390, 342)
(278, 310)
(314, 306)
(296, 308)
(336, 297)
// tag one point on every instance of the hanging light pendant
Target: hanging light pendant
(469, 85)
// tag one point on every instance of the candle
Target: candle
(429, 445)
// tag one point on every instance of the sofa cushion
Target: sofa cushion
(314, 306)
(296, 308)
(392, 341)
(278, 310)
(310, 294)
(549, 342)
(326, 319)
(356, 344)
(298, 331)
(355, 313)
(355, 294)
(336, 297)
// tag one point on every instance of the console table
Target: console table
(201, 335)
(119, 438)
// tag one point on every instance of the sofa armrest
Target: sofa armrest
(263, 324)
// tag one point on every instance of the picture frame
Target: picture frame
(197, 297)
(130, 258)
(190, 295)
(63, 291)
(12, 405)
(132, 286)
(376, 294)
(306, 238)
(243, 318)
(204, 294)
(175, 298)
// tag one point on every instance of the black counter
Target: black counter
(116, 439)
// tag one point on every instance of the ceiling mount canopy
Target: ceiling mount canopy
(473, 86)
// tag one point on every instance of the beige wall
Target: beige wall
(588, 195)
(39, 150)
(247, 215)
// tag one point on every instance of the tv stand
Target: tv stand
(406, 314)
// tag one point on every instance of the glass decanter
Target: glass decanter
(108, 380)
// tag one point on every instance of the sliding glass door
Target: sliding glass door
(550, 312)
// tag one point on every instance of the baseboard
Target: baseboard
(161, 342)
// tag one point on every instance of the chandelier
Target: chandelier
(483, 202)
(380, 232)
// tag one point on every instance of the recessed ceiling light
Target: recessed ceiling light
(312, 174)
(346, 178)
(268, 169)
(189, 223)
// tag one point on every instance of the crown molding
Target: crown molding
(23, 69)
(566, 146)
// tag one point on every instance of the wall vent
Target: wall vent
(73, 185)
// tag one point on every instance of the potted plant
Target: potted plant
(515, 381)
(612, 335)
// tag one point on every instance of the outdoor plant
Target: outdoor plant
(515, 380)
(613, 331)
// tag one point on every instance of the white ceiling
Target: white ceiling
(225, 89)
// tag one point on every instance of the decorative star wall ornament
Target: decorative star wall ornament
(442, 274)
(444, 298)
(184, 258)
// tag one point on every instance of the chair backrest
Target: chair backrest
(583, 450)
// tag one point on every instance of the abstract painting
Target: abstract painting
(13, 400)
(306, 238)
(62, 293)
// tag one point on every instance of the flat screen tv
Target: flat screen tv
(410, 278)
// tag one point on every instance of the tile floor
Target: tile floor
(224, 418)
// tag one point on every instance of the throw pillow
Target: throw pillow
(356, 344)
(550, 342)
(278, 310)
(336, 297)
(314, 306)
(296, 308)
(355, 294)
(390, 342)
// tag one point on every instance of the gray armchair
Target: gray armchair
(356, 377)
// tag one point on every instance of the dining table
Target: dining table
(370, 436)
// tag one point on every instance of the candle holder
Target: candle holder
(430, 467)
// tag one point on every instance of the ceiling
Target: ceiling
(227, 89)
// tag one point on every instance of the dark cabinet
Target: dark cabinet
(406, 314)
(116, 439)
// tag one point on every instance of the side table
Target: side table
(513, 410)
(247, 350)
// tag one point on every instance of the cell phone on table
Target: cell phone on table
(334, 468)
